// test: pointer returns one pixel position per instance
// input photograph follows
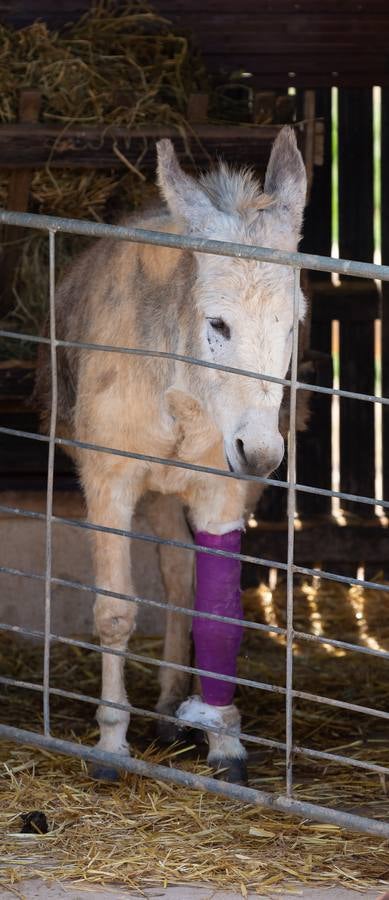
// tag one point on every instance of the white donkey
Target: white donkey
(229, 311)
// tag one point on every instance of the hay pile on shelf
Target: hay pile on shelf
(144, 834)
(119, 64)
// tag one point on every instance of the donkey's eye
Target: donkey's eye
(221, 327)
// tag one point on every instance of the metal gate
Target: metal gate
(286, 802)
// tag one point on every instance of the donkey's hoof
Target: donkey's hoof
(230, 769)
(100, 772)
(168, 732)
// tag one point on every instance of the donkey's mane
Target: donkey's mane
(234, 190)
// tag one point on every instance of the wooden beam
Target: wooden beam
(354, 544)
(18, 197)
(82, 147)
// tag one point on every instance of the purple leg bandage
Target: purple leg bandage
(217, 591)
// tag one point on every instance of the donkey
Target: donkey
(233, 312)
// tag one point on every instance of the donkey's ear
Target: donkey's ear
(183, 195)
(286, 178)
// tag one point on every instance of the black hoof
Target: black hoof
(168, 732)
(232, 770)
(99, 772)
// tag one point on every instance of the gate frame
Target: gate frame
(284, 803)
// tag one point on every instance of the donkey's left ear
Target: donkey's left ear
(184, 196)
(286, 178)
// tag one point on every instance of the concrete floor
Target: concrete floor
(39, 890)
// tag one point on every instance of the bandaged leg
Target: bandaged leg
(217, 647)
(218, 592)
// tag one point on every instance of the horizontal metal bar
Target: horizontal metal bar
(342, 579)
(192, 613)
(153, 354)
(159, 354)
(144, 601)
(197, 244)
(77, 585)
(207, 470)
(134, 710)
(258, 685)
(151, 714)
(143, 457)
(251, 796)
(334, 759)
(166, 664)
(139, 536)
(255, 560)
(342, 645)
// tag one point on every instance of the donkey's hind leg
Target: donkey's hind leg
(110, 503)
(167, 519)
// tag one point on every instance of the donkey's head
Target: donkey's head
(242, 310)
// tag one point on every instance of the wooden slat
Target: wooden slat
(385, 285)
(314, 445)
(17, 200)
(82, 147)
(317, 219)
(308, 44)
(354, 300)
(356, 351)
(23, 11)
(354, 544)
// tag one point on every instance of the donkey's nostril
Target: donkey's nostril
(240, 450)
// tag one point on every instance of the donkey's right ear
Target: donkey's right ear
(184, 196)
(286, 179)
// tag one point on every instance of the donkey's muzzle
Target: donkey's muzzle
(257, 447)
(261, 463)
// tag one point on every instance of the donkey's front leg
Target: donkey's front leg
(111, 504)
(217, 643)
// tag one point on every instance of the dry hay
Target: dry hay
(83, 71)
(144, 833)
(120, 64)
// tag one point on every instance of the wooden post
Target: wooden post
(385, 285)
(18, 197)
(314, 445)
(197, 111)
(356, 350)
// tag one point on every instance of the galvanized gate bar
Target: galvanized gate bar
(191, 360)
(50, 490)
(254, 797)
(132, 598)
(290, 552)
(174, 463)
(333, 758)
(193, 670)
(199, 245)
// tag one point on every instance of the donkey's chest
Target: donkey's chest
(195, 448)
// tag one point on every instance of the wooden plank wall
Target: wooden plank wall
(308, 44)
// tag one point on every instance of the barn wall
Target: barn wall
(22, 544)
